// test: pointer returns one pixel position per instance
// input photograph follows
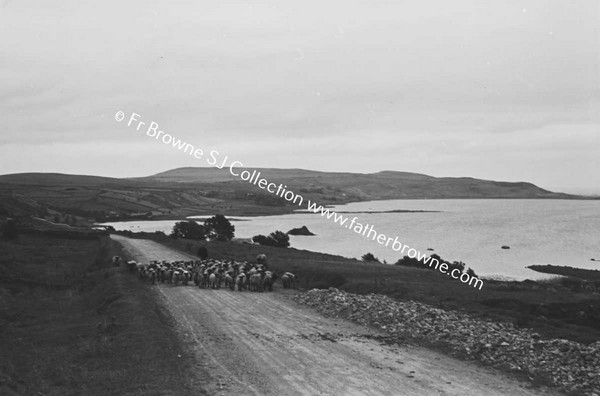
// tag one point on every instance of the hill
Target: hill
(80, 199)
(337, 187)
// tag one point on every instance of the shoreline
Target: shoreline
(487, 278)
(567, 271)
(257, 210)
(497, 277)
(482, 254)
(532, 270)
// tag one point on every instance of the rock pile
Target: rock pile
(569, 365)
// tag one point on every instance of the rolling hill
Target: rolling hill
(344, 187)
(77, 199)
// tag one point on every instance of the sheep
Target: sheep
(268, 280)
(240, 281)
(116, 260)
(229, 281)
(214, 280)
(211, 273)
(289, 280)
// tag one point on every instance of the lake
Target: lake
(559, 232)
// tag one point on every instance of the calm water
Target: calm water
(559, 232)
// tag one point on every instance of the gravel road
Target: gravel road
(265, 344)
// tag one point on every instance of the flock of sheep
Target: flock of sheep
(211, 273)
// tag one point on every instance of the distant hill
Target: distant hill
(214, 175)
(345, 187)
(77, 199)
(59, 179)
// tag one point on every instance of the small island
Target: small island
(300, 231)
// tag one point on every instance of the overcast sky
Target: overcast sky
(503, 90)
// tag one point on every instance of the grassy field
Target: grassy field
(562, 308)
(71, 324)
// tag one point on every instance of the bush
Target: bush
(459, 265)
(370, 258)
(410, 262)
(415, 262)
(281, 239)
(215, 228)
(275, 239)
(189, 230)
(261, 240)
(219, 228)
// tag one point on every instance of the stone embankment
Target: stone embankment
(571, 366)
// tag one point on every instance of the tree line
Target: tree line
(219, 228)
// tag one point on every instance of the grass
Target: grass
(558, 308)
(71, 324)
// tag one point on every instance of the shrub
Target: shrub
(189, 230)
(409, 262)
(261, 240)
(219, 228)
(280, 239)
(275, 239)
(459, 265)
(415, 262)
(370, 258)
(215, 228)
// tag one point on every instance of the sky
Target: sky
(503, 90)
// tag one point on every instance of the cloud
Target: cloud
(292, 84)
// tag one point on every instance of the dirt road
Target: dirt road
(265, 344)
